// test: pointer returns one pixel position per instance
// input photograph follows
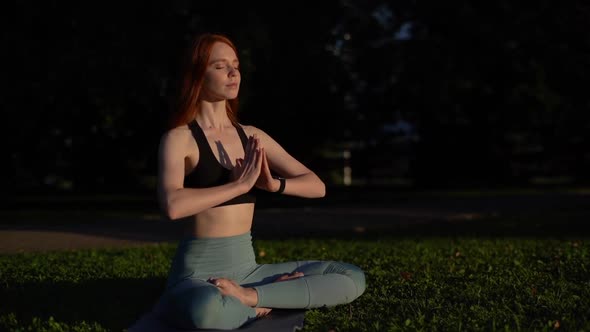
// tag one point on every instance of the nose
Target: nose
(233, 71)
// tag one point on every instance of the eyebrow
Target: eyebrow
(222, 60)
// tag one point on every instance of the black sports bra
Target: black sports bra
(209, 172)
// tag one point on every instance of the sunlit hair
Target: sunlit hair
(186, 107)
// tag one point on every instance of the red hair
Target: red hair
(186, 106)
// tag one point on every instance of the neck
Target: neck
(213, 115)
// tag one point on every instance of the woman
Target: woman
(210, 167)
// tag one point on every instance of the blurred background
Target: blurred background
(402, 95)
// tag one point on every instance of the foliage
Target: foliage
(495, 90)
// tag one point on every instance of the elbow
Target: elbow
(321, 192)
(171, 211)
(169, 206)
(171, 214)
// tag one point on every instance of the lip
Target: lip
(232, 85)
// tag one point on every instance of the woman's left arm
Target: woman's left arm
(299, 179)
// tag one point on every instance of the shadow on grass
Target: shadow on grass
(115, 304)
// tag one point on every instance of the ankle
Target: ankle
(252, 297)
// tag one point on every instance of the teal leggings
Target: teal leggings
(190, 302)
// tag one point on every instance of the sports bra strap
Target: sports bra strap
(202, 139)
(198, 133)
(243, 136)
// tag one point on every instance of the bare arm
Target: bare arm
(178, 202)
(301, 181)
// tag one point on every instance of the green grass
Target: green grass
(413, 284)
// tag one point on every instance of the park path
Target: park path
(149, 228)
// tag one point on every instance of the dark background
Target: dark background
(422, 94)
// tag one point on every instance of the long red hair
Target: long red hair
(186, 107)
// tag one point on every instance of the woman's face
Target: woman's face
(222, 76)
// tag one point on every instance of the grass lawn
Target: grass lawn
(414, 283)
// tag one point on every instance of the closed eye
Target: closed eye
(223, 67)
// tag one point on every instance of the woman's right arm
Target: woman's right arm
(176, 201)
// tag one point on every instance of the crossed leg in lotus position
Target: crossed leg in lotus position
(246, 295)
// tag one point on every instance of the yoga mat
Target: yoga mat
(278, 320)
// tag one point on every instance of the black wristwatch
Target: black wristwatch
(282, 186)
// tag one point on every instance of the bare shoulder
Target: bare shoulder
(177, 138)
(269, 142)
(177, 134)
(251, 130)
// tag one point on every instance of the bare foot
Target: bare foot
(261, 312)
(247, 296)
(293, 275)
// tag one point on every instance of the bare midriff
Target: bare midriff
(222, 221)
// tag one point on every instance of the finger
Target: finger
(264, 161)
(259, 141)
(255, 164)
(254, 146)
(265, 165)
(251, 149)
(248, 147)
(259, 156)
